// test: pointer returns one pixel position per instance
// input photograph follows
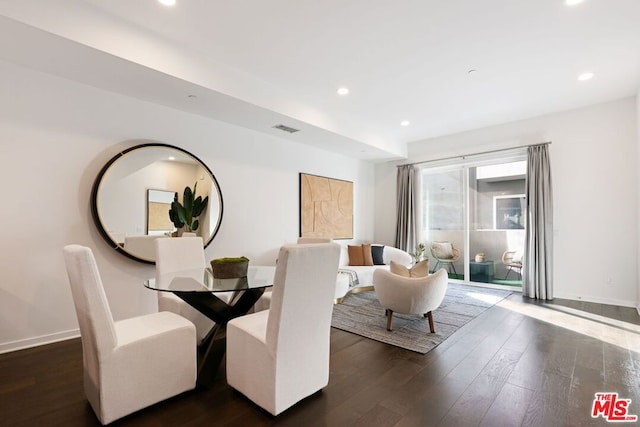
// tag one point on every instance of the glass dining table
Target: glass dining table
(220, 300)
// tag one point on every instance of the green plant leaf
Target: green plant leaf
(194, 225)
(182, 216)
(199, 206)
(187, 199)
(173, 214)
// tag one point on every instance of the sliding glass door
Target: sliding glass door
(473, 219)
(444, 219)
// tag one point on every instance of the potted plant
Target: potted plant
(186, 214)
(480, 257)
(418, 253)
(230, 268)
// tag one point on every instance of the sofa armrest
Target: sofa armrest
(397, 255)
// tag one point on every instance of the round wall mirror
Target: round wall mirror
(132, 195)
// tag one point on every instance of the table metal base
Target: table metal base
(215, 344)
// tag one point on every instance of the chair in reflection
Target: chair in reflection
(142, 246)
(279, 356)
(513, 261)
(176, 254)
(129, 364)
(445, 255)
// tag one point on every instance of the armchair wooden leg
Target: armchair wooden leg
(389, 317)
(430, 317)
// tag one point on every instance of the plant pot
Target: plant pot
(225, 269)
(480, 258)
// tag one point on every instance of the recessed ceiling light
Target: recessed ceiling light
(573, 2)
(171, 158)
(167, 2)
(405, 123)
(585, 76)
(343, 91)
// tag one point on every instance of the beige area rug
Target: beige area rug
(362, 314)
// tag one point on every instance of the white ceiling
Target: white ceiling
(261, 63)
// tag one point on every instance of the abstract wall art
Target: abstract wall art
(326, 207)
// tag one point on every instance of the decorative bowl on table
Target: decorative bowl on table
(230, 268)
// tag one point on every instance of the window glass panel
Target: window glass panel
(496, 224)
(443, 220)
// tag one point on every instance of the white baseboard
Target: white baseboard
(36, 341)
(598, 300)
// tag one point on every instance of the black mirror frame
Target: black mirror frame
(96, 184)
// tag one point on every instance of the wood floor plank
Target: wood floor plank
(619, 366)
(472, 405)
(528, 371)
(378, 416)
(508, 408)
(439, 398)
(585, 384)
(549, 403)
(590, 354)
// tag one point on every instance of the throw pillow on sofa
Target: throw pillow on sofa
(356, 257)
(377, 252)
(421, 269)
(366, 255)
(360, 255)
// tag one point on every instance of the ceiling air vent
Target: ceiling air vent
(286, 128)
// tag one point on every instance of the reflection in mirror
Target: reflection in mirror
(158, 206)
(132, 196)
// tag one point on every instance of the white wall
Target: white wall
(55, 137)
(594, 160)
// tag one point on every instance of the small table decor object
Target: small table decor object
(230, 268)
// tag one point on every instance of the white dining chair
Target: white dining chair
(265, 300)
(279, 356)
(178, 254)
(128, 364)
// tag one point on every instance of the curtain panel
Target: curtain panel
(407, 210)
(538, 261)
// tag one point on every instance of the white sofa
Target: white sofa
(355, 278)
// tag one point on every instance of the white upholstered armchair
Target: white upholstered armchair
(410, 295)
(129, 364)
(279, 356)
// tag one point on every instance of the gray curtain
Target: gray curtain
(538, 243)
(406, 211)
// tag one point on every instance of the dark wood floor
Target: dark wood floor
(503, 368)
